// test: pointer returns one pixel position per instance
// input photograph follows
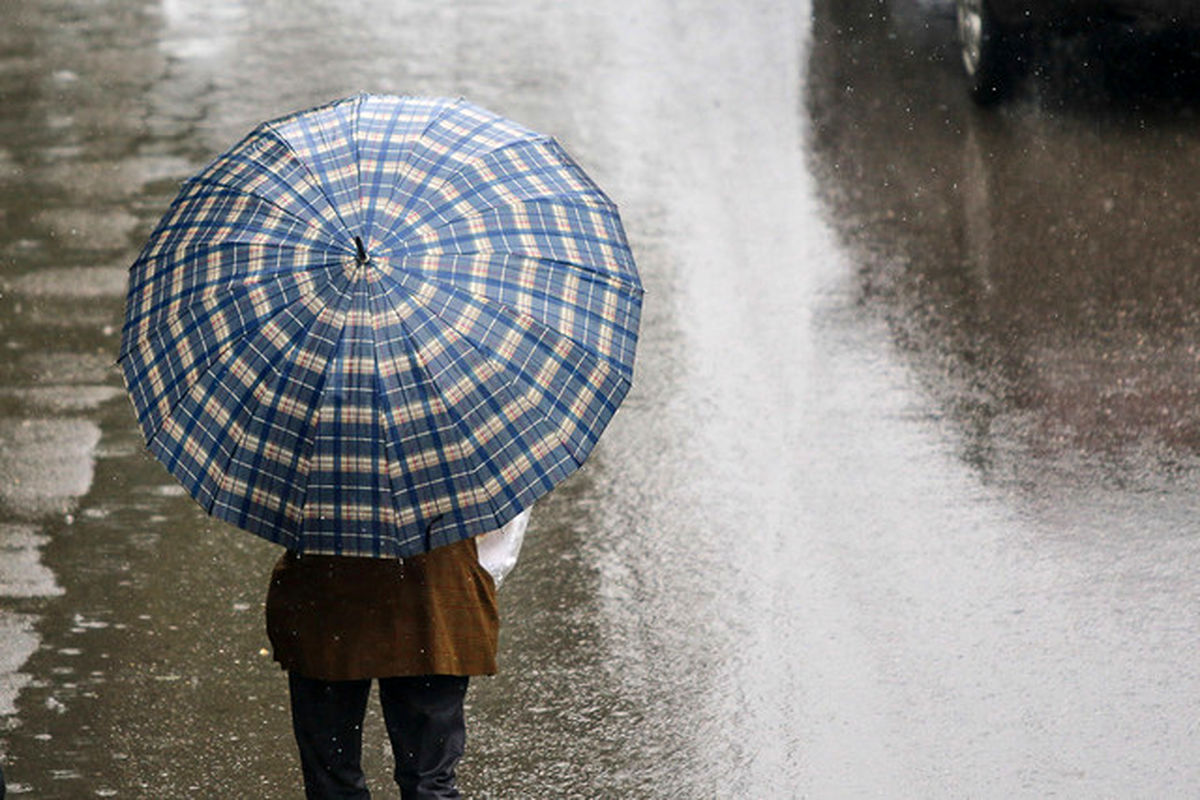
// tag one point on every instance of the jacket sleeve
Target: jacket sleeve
(498, 549)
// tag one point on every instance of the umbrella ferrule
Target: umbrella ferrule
(362, 251)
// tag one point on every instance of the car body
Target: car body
(994, 34)
(1016, 14)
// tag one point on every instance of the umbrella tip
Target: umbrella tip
(362, 251)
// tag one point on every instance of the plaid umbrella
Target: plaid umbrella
(381, 326)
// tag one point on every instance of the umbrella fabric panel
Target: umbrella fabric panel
(210, 217)
(525, 170)
(458, 434)
(387, 133)
(264, 165)
(201, 272)
(579, 237)
(478, 367)
(599, 310)
(326, 145)
(172, 357)
(547, 365)
(215, 214)
(196, 248)
(591, 309)
(238, 436)
(420, 433)
(348, 475)
(454, 135)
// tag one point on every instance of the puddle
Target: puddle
(60, 399)
(45, 465)
(21, 640)
(87, 229)
(71, 282)
(22, 573)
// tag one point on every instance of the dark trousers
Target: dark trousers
(424, 719)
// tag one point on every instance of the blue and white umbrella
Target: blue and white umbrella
(381, 326)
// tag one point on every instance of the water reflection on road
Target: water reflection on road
(1047, 256)
(1036, 268)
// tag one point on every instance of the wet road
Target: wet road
(902, 503)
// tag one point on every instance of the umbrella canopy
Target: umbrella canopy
(381, 326)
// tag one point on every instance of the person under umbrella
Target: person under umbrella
(375, 333)
(421, 626)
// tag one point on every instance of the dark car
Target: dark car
(994, 34)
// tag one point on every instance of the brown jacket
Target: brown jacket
(347, 618)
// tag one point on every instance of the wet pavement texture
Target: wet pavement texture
(902, 503)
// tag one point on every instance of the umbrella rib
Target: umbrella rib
(358, 167)
(431, 181)
(620, 372)
(181, 256)
(546, 169)
(356, 208)
(442, 180)
(500, 307)
(386, 414)
(151, 440)
(310, 442)
(232, 285)
(610, 279)
(565, 199)
(308, 171)
(616, 278)
(248, 413)
(410, 164)
(232, 279)
(463, 428)
(239, 190)
(405, 167)
(592, 317)
(307, 443)
(543, 420)
(201, 247)
(200, 370)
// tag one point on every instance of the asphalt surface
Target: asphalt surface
(901, 505)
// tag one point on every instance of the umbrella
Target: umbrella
(380, 326)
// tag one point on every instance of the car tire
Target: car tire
(991, 53)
